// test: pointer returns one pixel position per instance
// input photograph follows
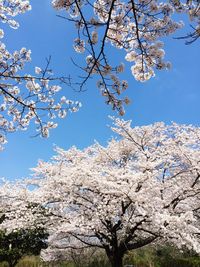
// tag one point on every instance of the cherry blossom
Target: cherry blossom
(26, 98)
(136, 27)
(142, 188)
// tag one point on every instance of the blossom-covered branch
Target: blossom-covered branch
(136, 27)
(26, 97)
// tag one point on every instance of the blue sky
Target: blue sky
(171, 96)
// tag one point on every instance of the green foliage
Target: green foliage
(142, 258)
(15, 245)
(187, 262)
(166, 256)
(171, 257)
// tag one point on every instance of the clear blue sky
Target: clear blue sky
(171, 96)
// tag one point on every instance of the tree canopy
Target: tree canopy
(140, 189)
(23, 242)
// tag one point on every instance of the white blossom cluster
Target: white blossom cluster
(11, 8)
(142, 188)
(24, 97)
(135, 26)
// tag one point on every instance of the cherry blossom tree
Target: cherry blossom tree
(26, 97)
(134, 26)
(142, 188)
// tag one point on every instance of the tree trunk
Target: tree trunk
(116, 260)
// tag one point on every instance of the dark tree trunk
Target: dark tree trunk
(116, 260)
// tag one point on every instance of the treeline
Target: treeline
(147, 257)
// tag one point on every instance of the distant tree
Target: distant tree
(141, 189)
(27, 97)
(19, 243)
(136, 27)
